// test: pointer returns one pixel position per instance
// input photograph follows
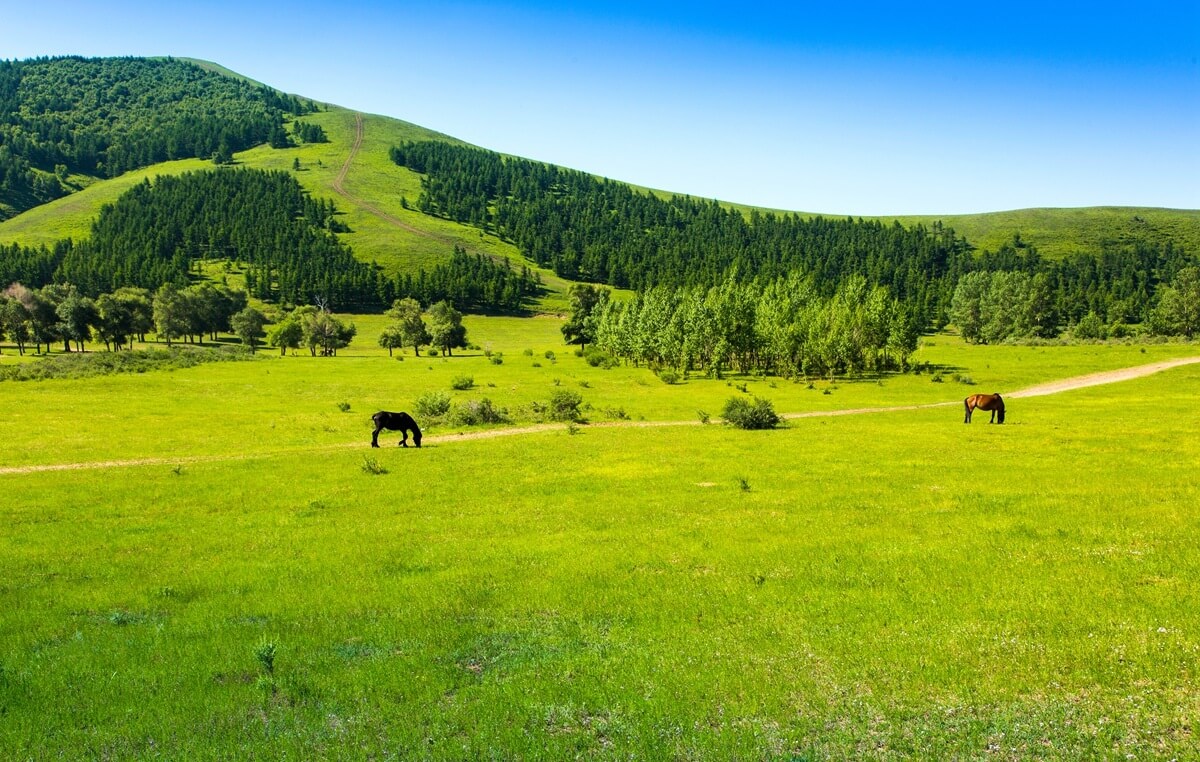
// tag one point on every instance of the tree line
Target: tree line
(591, 229)
(105, 116)
(783, 326)
(990, 306)
(62, 313)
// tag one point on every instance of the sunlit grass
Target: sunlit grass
(874, 586)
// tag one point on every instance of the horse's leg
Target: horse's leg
(375, 436)
(967, 405)
(403, 437)
(993, 417)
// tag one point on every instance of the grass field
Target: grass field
(881, 586)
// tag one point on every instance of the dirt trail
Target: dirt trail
(340, 188)
(1051, 387)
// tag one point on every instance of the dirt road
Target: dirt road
(1052, 387)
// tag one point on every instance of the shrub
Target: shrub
(550, 355)
(344, 407)
(1090, 326)
(668, 376)
(527, 352)
(753, 413)
(432, 404)
(598, 358)
(564, 405)
(477, 412)
(462, 382)
(498, 358)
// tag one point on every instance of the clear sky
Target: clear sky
(840, 108)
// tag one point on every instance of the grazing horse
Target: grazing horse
(402, 422)
(991, 402)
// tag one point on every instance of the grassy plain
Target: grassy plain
(873, 586)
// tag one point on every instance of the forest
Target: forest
(101, 117)
(596, 230)
(265, 222)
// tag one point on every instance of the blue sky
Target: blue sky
(853, 108)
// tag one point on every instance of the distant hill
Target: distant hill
(376, 198)
(66, 122)
(1059, 232)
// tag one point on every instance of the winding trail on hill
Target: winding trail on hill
(340, 188)
(1050, 387)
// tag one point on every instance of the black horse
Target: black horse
(402, 422)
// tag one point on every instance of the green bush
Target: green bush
(753, 413)
(432, 404)
(477, 413)
(598, 358)
(462, 383)
(668, 376)
(564, 405)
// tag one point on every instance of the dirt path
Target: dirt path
(340, 187)
(1051, 387)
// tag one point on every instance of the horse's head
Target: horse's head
(416, 435)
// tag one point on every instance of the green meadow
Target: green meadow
(265, 585)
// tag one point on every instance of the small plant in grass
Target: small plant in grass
(742, 388)
(462, 383)
(527, 352)
(572, 428)
(668, 376)
(962, 378)
(371, 465)
(703, 416)
(617, 413)
(265, 653)
(537, 365)
(937, 378)
(344, 407)
(585, 384)
(432, 404)
(549, 355)
(498, 358)
(177, 470)
(743, 484)
(753, 413)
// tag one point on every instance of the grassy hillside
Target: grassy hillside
(848, 587)
(401, 240)
(1058, 232)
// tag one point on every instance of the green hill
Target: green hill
(376, 197)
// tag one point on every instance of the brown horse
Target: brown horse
(991, 402)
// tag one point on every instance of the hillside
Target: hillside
(376, 202)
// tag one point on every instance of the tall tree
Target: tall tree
(248, 326)
(446, 330)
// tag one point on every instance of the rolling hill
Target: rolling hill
(374, 197)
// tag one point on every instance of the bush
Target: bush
(564, 405)
(477, 412)
(344, 407)
(432, 404)
(753, 413)
(550, 355)
(1090, 326)
(462, 383)
(668, 376)
(498, 358)
(598, 358)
